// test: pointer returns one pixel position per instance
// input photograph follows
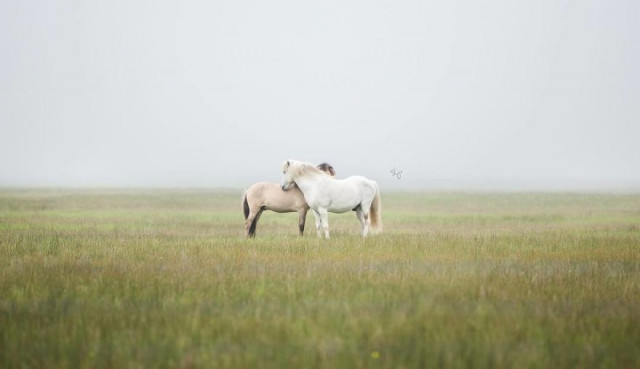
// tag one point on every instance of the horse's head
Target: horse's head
(287, 179)
(292, 169)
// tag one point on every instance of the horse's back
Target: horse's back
(363, 183)
(261, 187)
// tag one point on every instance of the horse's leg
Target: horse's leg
(252, 222)
(324, 219)
(364, 226)
(247, 225)
(248, 232)
(316, 215)
(302, 218)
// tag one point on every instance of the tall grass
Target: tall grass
(151, 278)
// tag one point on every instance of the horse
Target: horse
(325, 194)
(269, 196)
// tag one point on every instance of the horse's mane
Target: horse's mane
(327, 168)
(300, 169)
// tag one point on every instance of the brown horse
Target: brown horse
(270, 196)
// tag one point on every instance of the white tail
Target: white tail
(375, 212)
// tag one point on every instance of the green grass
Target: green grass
(165, 279)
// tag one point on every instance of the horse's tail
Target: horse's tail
(375, 212)
(245, 205)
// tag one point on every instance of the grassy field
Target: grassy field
(165, 279)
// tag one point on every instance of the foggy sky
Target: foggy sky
(534, 94)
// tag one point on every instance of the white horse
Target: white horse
(323, 194)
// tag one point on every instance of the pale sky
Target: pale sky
(533, 94)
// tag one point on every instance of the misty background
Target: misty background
(534, 94)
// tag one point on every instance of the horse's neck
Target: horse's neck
(308, 183)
